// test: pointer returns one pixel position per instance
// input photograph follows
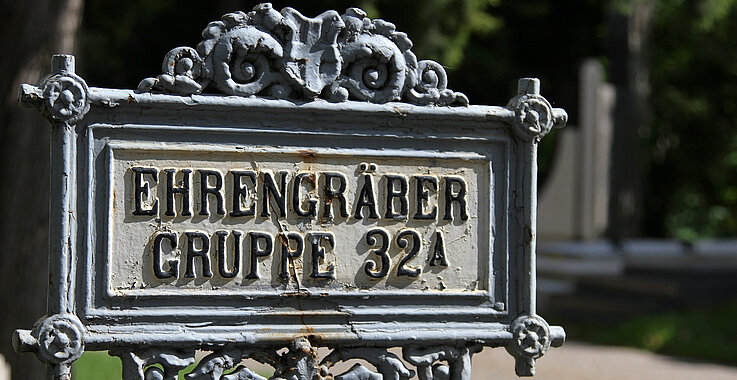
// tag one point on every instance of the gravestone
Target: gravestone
(574, 203)
(4, 369)
(335, 193)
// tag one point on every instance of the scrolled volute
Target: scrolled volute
(429, 361)
(389, 365)
(153, 364)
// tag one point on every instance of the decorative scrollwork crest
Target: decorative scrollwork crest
(287, 55)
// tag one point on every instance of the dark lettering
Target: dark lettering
(288, 253)
(366, 199)
(437, 253)
(241, 191)
(140, 190)
(257, 251)
(392, 194)
(279, 196)
(318, 254)
(182, 190)
(459, 197)
(311, 202)
(386, 263)
(223, 254)
(423, 196)
(330, 193)
(193, 252)
(173, 263)
(207, 190)
(403, 239)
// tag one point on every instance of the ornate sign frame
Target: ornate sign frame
(301, 86)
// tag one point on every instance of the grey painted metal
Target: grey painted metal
(108, 287)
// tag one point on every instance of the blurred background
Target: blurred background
(638, 194)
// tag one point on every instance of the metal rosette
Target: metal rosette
(65, 97)
(533, 116)
(531, 339)
(59, 339)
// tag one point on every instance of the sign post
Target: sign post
(336, 195)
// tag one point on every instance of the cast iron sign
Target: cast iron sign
(337, 195)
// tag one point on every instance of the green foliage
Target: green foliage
(704, 334)
(453, 23)
(693, 142)
(440, 29)
(97, 366)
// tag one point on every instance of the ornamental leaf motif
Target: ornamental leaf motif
(312, 60)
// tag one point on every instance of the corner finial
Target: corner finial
(528, 86)
(62, 63)
(533, 115)
(62, 95)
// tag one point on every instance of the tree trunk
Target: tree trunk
(629, 72)
(32, 31)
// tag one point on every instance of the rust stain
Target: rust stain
(399, 111)
(302, 293)
(131, 99)
(312, 179)
(307, 153)
(307, 156)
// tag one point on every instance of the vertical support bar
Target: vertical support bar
(528, 86)
(528, 150)
(59, 217)
(527, 214)
(61, 371)
(62, 63)
(534, 117)
(530, 261)
(61, 203)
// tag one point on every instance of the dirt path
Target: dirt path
(578, 361)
